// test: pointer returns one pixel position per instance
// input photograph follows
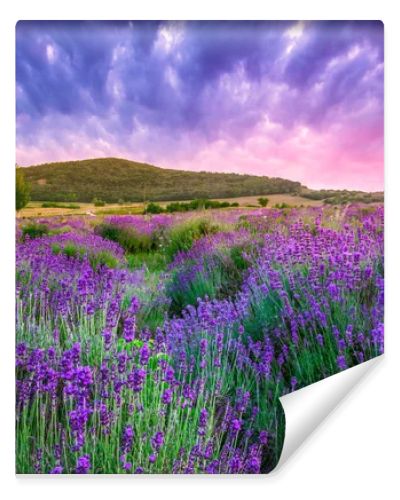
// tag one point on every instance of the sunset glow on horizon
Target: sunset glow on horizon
(298, 100)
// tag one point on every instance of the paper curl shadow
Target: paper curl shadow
(305, 409)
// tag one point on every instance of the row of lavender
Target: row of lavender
(254, 306)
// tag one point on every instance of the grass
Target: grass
(35, 209)
(182, 236)
(129, 239)
(34, 230)
(53, 204)
(217, 275)
(154, 262)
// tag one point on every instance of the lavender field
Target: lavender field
(161, 344)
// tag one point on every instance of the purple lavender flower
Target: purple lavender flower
(127, 439)
(83, 465)
(157, 441)
(235, 464)
(57, 470)
(136, 379)
(167, 396)
(263, 437)
(236, 425)
(341, 362)
(203, 346)
(203, 417)
(144, 354)
(253, 464)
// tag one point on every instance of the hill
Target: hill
(114, 179)
(341, 197)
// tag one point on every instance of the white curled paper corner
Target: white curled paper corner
(307, 408)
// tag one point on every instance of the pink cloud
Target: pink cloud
(350, 158)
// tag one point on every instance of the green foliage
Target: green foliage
(72, 197)
(238, 260)
(22, 189)
(59, 230)
(264, 315)
(112, 179)
(96, 259)
(219, 276)
(282, 205)
(98, 203)
(56, 248)
(53, 204)
(127, 237)
(121, 211)
(341, 197)
(34, 230)
(72, 251)
(153, 208)
(198, 205)
(181, 238)
(103, 258)
(183, 291)
(263, 202)
(152, 261)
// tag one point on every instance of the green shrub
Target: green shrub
(53, 204)
(59, 230)
(181, 237)
(102, 258)
(153, 208)
(263, 202)
(96, 259)
(200, 204)
(121, 211)
(177, 207)
(219, 276)
(72, 251)
(134, 242)
(22, 189)
(127, 237)
(34, 230)
(98, 203)
(152, 261)
(56, 248)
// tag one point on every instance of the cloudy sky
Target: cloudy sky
(299, 100)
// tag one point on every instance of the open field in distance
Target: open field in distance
(35, 209)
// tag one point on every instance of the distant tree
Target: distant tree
(22, 189)
(153, 208)
(98, 203)
(263, 202)
(72, 197)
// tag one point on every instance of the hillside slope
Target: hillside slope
(114, 179)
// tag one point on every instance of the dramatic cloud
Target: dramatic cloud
(301, 100)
